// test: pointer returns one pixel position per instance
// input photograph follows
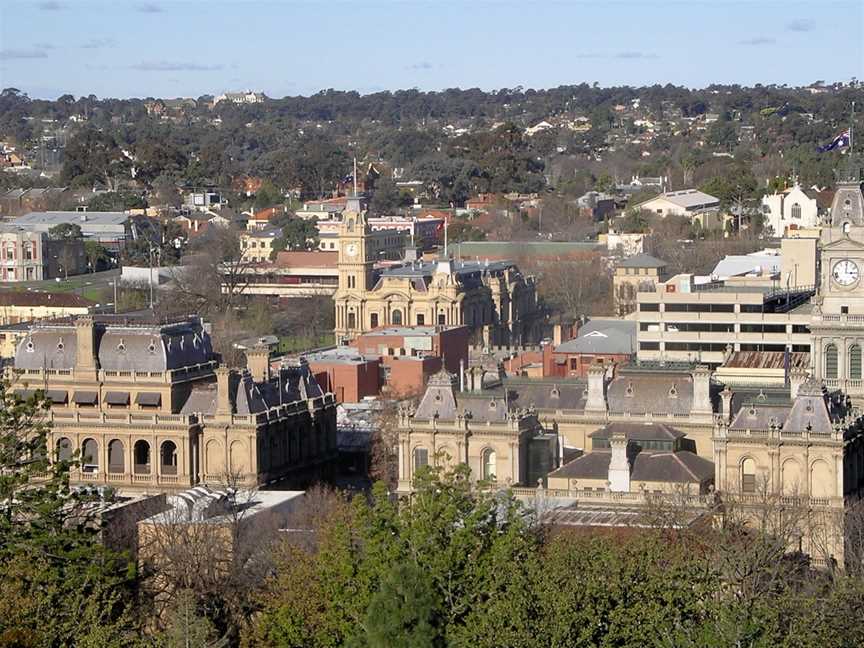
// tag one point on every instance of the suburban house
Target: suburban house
(691, 203)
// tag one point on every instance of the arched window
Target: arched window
(489, 464)
(64, 449)
(796, 211)
(168, 458)
(373, 320)
(421, 458)
(116, 462)
(748, 476)
(831, 361)
(396, 317)
(855, 362)
(141, 457)
(90, 456)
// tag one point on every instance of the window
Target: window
(489, 464)
(373, 320)
(844, 310)
(649, 308)
(28, 251)
(352, 321)
(64, 450)
(396, 317)
(116, 463)
(442, 319)
(421, 458)
(141, 457)
(421, 319)
(748, 476)
(649, 346)
(831, 361)
(796, 211)
(90, 456)
(168, 458)
(855, 362)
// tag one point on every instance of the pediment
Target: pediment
(843, 244)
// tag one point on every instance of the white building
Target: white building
(791, 207)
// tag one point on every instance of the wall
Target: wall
(350, 382)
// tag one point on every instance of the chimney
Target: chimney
(797, 377)
(726, 405)
(596, 401)
(258, 362)
(223, 398)
(83, 217)
(619, 464)
(557, 334)
(702, 391)
(85, 341)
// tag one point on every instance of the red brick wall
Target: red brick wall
(349, 382)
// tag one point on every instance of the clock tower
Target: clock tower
(355, 263)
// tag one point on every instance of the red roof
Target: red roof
(318, 259)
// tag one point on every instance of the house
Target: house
(257, 244)
(601, 341)
(26, 255)
(28, 306)
(791, 208)
(596, 205)
(635, 274)
(690, 203)
(323, 209)
(111, 229)
(247, 97)
(16, 202)
(294, 274)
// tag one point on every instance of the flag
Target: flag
(838, 142)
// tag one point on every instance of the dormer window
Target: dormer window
(60, 345)
(629, 391)
(492, 404)
(152, 347)
(673, 392)
(752, 411)
(121, 347)
(30, 346)
(437, 398)
(555, 393)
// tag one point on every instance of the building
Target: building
(293, 274)
(690, 203)
(423, 233)
(596, 205)
(790, 209)
(239, 98)
(388, 242)
(27, 306)
(27, 255)
(500, 443)
(17, 202)
(635, 274)
(323, 209)
(111, 229)
(150, 409)
(257, 244)
(493, 299)
(346, 373)
(604, 342)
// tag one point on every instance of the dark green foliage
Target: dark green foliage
(116, 201)
(65, 231)
(297, 234)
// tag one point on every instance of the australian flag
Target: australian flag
(838, 142)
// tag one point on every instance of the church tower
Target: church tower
(355, 263)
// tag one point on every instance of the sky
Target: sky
(171, 48)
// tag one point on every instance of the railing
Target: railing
(96, 416)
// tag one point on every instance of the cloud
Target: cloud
(174, 66)
(627, 55)
(10, 54)
(800, 25)
(98, 43)
(44, 46)
(51, 5)
(148, 7)
(758, 40)
(421, 65)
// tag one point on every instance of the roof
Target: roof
(53, 299)
(745, 264)
(768, 360)
(669, 393)
(316, 258)
(682, 466)
(638, 432)
(642, 260)
(546, 394)
(613, 337)
(441, 401)
(686, 198)
(81, 218)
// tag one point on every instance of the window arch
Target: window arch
(396, 317)
(141, 457)
(116, 461)
(748, 476)
(421, 458)
(168, 458)
(64, 449)
(90, 455)
(490, 461)
(831, 361)
(373, 320)
(855, 362)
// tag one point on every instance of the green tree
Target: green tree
(388, 197)
(65, 232)
(97, 255)
(297, 234)
(116, 201)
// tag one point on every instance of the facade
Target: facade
(790, 209)
(685, 322)
(294, 274)
(27, 255)
(421, 232)
(493, 299)
(635, 274)
(257, 244)
(26, 306)
(150, 409)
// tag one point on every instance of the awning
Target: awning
(117, 398)
(57, 396)
(149, 398)
(86, 397)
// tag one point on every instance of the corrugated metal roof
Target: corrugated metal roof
(767, 360)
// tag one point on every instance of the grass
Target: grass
(293, 343)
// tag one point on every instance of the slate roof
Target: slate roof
(603, 336)
(443, 402)
(546, 395)
(670, 393)
(669, 467)
(638, 432)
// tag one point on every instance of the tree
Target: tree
(387, 197)
(96, 253)
(92, 156)
(297, 234)
(116, 201)
(65, 232)
(58, 584)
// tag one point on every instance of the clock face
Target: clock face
(845, 272)
(351, 249)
